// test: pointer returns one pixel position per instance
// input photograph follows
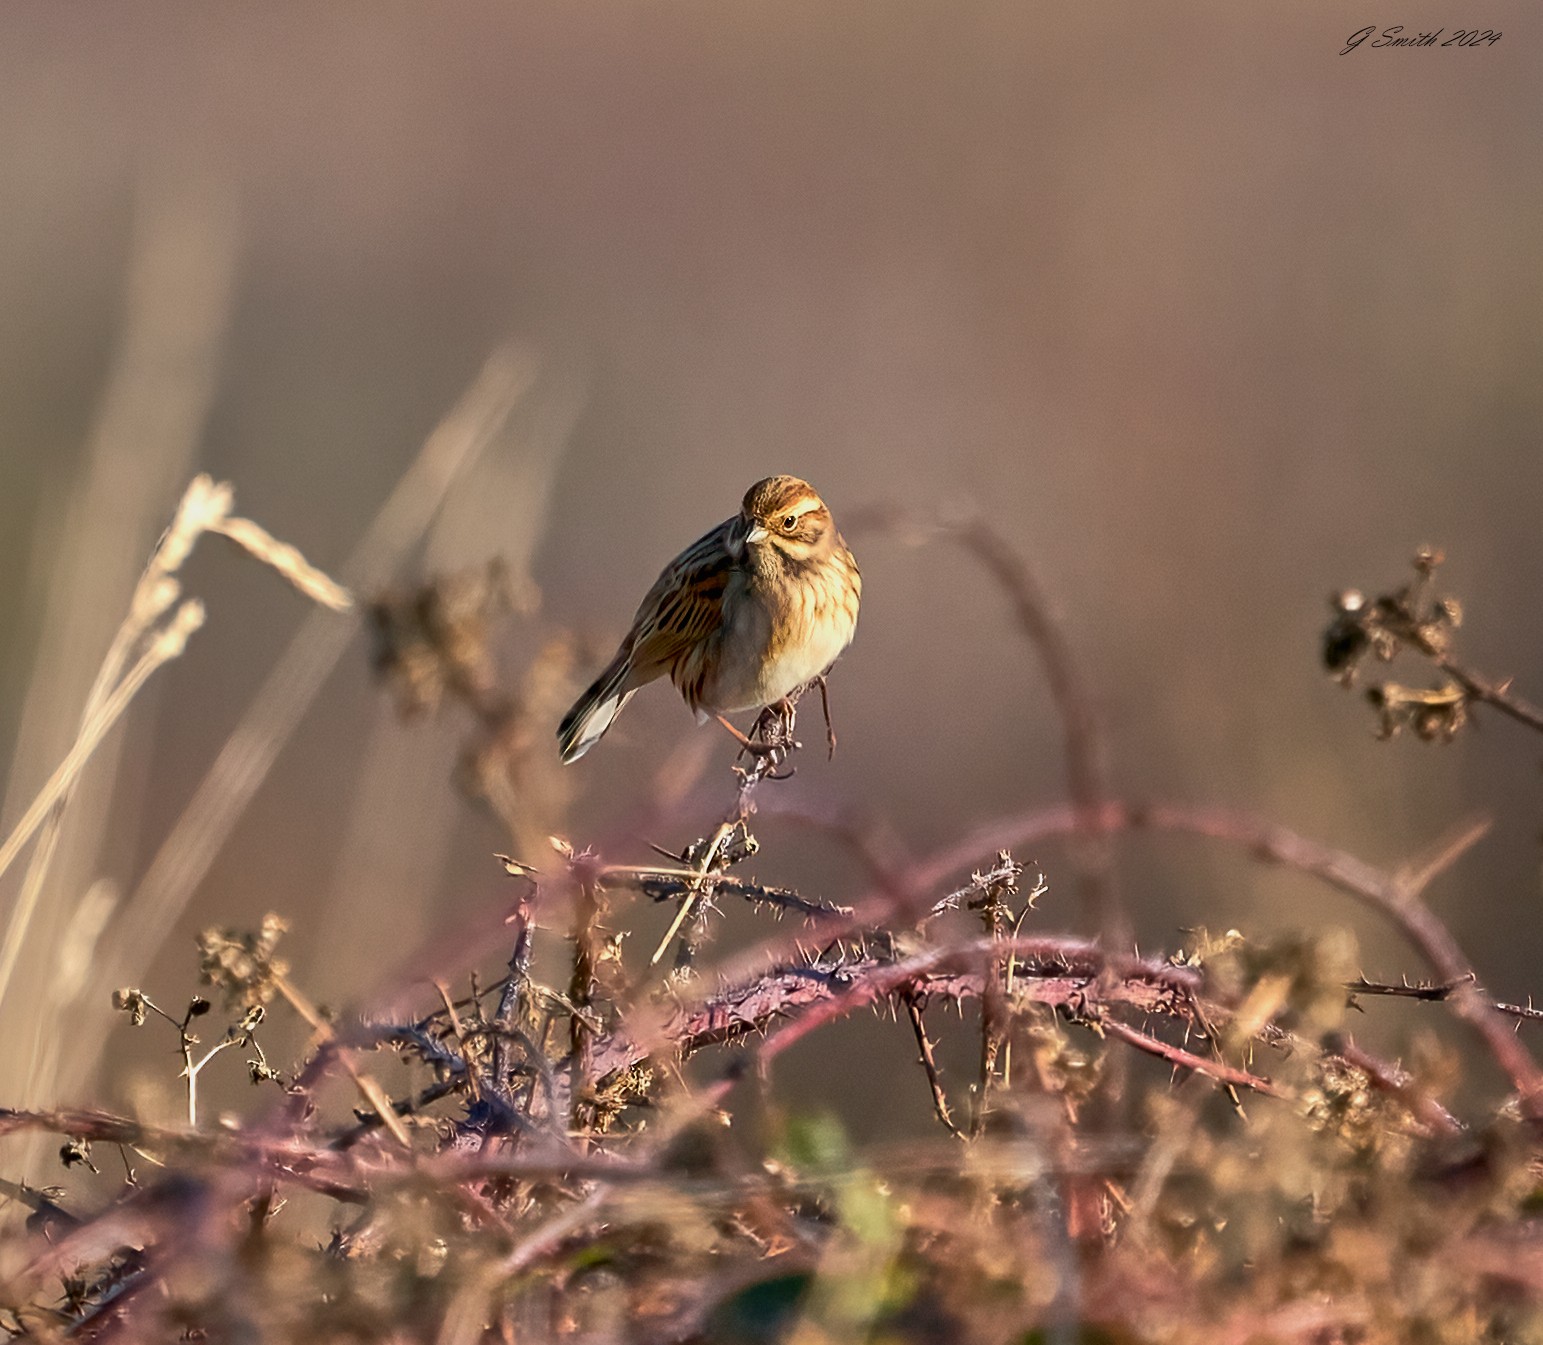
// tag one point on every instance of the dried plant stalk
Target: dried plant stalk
(204, 507)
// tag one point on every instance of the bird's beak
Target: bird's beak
(756, 534)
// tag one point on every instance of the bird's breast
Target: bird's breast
(781, 635)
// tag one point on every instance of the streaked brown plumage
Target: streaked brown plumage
(757, 608)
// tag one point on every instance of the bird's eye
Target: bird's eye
(789, 522)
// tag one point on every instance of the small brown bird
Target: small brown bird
(756, 609)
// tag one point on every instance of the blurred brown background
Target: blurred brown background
(1209, 318)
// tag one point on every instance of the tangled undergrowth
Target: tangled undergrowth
(1159, 1148)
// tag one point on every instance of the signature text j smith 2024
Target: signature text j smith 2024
(1397, 37)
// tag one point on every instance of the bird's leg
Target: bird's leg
(830, 733)
(755, 749)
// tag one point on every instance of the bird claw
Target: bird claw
(751, 748)
(776, 724)
(770, 743)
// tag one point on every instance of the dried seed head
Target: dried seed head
(131, 1000)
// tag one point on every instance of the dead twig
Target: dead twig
(1398, 896)
(1182, 1059)
(930, 1065)
(1434, 992)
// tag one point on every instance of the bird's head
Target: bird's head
(784, 513)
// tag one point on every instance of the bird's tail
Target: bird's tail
(585, 724)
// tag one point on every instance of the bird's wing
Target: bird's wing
(685, 605)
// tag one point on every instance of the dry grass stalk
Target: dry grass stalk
(158, 626)
(184, 857)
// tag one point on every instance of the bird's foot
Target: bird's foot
(776, 724)
(751, 746)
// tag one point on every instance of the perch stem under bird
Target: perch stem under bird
(703, 867)
(741, 620)
(708, 859)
